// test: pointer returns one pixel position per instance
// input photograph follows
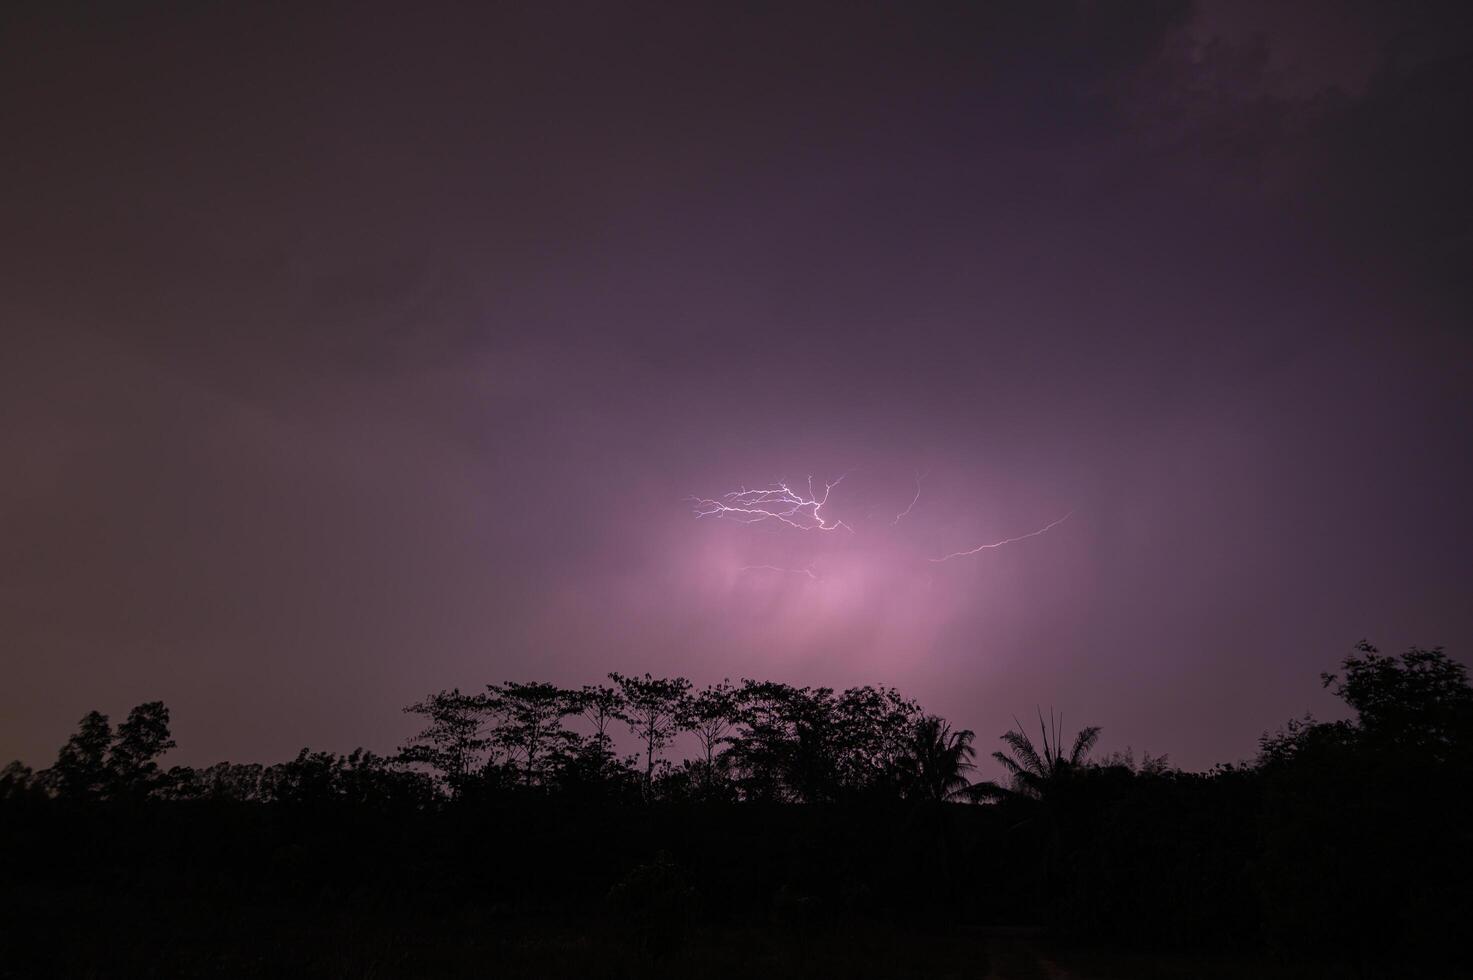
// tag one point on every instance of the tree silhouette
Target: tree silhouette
(786, 750)
(1419, 701)
(602, 706)
(874, 729)
(80, 770)
(132, 761)
(801, 744)
(453, 736)
(710, 716)
(100, 763)
(1033, 774)
(654, 706)
(17, 781)
(589, 766)
(529, 724)
(939, 760)
(1349, 836)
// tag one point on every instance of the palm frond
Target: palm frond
(1007, 763)
(1083, 742)
(1027, 755)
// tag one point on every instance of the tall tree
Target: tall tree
(1419, 701)
(139, 741)
(453, 737)
(787, 748)
(602, 706)
(1042, 782)
(1033, 774)
(710, 716)
(654, 708)
(874, 729)
(80, 771)
(529, 724)
(939, 760)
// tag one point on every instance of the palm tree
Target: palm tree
(1039, 781)
(939, 759)
(1032, 775)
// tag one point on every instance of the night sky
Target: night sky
(357, 353)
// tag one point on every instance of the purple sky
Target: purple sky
(356, 354)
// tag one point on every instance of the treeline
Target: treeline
(758, 741)
(1341, 840)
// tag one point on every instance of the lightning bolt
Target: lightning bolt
(805, 570)
(779, 502)
(999, 544)
(783, 504)
(908, 507)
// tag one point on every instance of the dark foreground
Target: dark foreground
(803, 849)
(661, 891)
(367, 941)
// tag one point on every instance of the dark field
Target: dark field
(830, 835)
(794, 891)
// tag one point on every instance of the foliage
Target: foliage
(98, 763)
(602, 706)
(453, 738)
(17, 782)
(1034, 774)
(937, 764)
(529, 725)
(653, 709)
(132, 760)
(1371, 810)
(80, 771)
(802, 744)
(802, 806)
(1419, 701)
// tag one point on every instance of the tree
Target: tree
(1041, 783)
(98, 763)
(873, 729)
(938, 762)
(809, 744)
(453, 737)
(1033, 775)
(80, 770)
(133, 759)
(307, 779)
(1149, 765)
(710, 716)
(789, 748)
(224, 782)
(359, 779)
(1419, 701)
(654, 709)
(602, 706)
(17, 781)
(1371, 811)
(588, 767)
(529, 725)
(1412, 709)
